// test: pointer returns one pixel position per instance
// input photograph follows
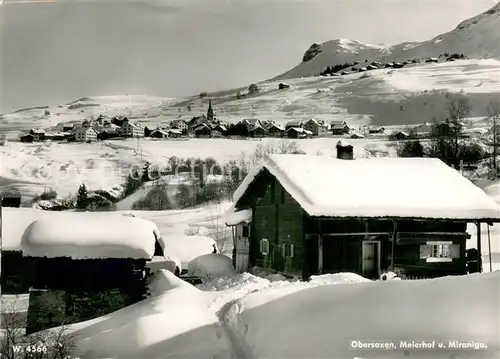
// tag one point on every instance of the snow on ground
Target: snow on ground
(477, 76)
(33, 167)
(332, 317)
(248, 317)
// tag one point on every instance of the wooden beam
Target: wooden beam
(489, 248)
(393, 243)
(480, 256)
(351, 234)
(320, 254)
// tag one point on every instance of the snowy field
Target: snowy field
(33, 167)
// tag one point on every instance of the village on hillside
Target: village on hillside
(209, 126)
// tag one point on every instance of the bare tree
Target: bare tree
(220, 233)
(493, 110)
(55, 343)
(459, 108)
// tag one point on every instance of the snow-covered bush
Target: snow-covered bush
(210, 266)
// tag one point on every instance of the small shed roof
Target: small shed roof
(233, 217)
(377, 187)
(90, 236)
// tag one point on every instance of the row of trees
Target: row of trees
(449, 142)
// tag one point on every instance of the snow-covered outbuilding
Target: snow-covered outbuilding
(84, 265)
(404, 213)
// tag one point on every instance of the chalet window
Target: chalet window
(264, 246)
(245, 232)
(439, 251)
(288, 250)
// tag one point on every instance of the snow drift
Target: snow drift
(332, 317)
(211, 266)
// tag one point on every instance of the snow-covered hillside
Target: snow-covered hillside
(476, 38)
(31, 168)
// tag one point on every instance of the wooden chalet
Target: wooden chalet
(158, 133)
(409, 214)
(294, 124)
(275, 130)
(37, 133)
(257, 131)
(298, 132)
(339, 128)
(317, 127)
(28, 138)
(202, 130)
(283, 86)
(11, 198)
(400, 135)
(101, 269)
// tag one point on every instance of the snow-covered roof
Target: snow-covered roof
(233, 217)
(172, 130)
(84, 235)
(377, 187)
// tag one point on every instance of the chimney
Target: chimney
(345, 151)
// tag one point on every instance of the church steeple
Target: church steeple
(210, 111)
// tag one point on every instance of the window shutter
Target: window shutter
(425, 251)
(264, 246)
(292, 250)
(455, 251)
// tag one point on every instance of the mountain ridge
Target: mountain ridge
(477, 37)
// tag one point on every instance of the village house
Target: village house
(174, 133)
(68, 127)
(357, 135)
(28, 138)
(318, 128)
(119, 120)
(38, 134)
(251, 123)
(85, 134)
(257, 131)
(294, 124)
(107, 134)
(407, 214)
(400, 135)
(181, 125)
(131, 129)
(339, 128)
(275, 130)
(298, 132)
(376, 130)
(11, 198)
(159, 133)
(202, 131)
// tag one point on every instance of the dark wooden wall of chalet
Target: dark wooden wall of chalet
(15, 273)
(407, 251)
(79, 290)
(278, 218)
(412, 235)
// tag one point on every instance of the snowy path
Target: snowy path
(239, 346)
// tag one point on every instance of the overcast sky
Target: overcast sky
(53, 53)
